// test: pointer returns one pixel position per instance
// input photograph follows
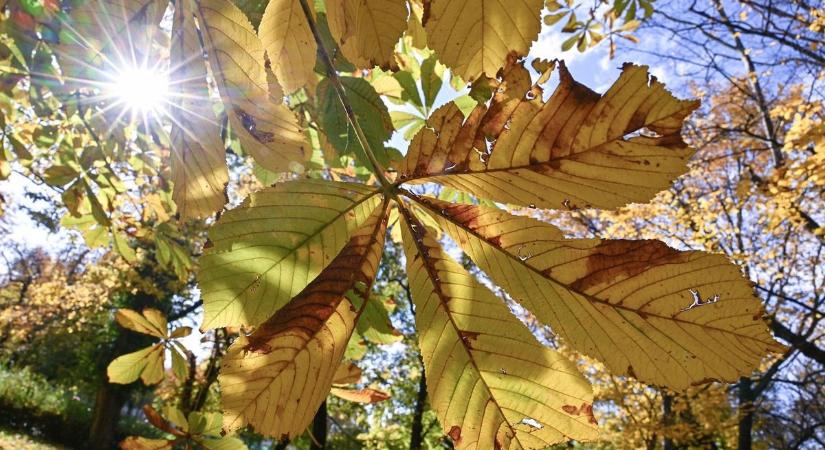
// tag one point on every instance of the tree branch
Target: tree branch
(332, 74)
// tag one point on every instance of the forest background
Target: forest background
(754, 191)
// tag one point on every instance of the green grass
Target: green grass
(12, 440)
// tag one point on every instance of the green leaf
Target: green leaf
(370, 111)
(122, 247)
(267, 250)
(375, 324)
(146, 363)
(179, 365)
(432, 73)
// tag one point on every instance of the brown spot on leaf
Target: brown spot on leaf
(455, 433)
(570, 409)
(587, 410)
(631, 372)
(468, 337)
(621, 259)
(249, 124)
(703, 381)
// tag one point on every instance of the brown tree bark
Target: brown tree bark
(319, 429)
(667, 419)
(417, 429)
(745, 414)
(109, 401)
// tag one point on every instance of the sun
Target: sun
(139, 90)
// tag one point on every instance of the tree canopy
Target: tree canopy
(393, 218)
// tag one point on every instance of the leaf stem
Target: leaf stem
(332, 74)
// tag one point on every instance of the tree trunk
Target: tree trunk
(745, 414)
(667, 419)
(417, 430)
(319, 429)
(110, 398)
(109, 401)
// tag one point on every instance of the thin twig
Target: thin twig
(342, 96)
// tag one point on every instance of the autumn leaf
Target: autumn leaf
(266, 251)
(276, 378)
(147, 363)
(150, 321)
(490, 382)
(267, 130)
(346, 373)
(365, 396)
(289, 43)
(199, 171)
(578, 149)
(476, 37)
(367, 30)
(101, 32)
(201, 428)
(628, 303)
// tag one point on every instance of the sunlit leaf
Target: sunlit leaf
(627, 303)
(576, 150)
(276, 378)
(289, 42)
(199, 170)
(367, 30)
(366, 395)
(150, 321)
(491, 384)
(476, 36)
(267, 130)
(346, 373)
(267, 250)
(146, 364)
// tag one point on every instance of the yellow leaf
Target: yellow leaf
(367, 30)
(491, 384)
(180, 332)
(199, 172)
(346, 373)
(151, 321)
(269, 131)
(475, 37)
(289, 43)
(146, 363)
(276, 378)
(102, 35)
(631, 304)
(142, 443)
(360, 395)
(267, 250)
(415, 29)
(579, 149)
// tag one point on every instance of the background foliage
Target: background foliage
(107, 210)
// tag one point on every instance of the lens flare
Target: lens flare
(141, 90)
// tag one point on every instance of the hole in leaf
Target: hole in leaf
(532, 423)
(697, 300)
